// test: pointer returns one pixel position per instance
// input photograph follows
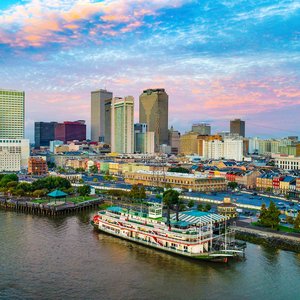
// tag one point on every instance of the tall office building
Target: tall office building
(122, 130)
(154, 112)
(44, 132)
(70, 131)
(101, 116)
(202, 128)
(12, 114)
(237, 126)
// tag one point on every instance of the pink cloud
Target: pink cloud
(38, 21)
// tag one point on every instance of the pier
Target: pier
(26, 206)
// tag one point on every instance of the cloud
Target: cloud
(41, 21)
(283, 9)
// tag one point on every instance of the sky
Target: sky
(217, 60)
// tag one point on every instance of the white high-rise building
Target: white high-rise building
(233, 149)
(213, 149)
(101, 116)
(12, 114)
(14, 154)
(122, 125)
(229, 148)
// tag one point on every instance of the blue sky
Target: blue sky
(217, 59)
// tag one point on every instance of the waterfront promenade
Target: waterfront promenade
(265, 236)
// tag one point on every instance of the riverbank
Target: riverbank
(284, 241)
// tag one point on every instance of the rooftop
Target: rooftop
(172, 174)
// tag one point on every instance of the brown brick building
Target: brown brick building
(37, 165)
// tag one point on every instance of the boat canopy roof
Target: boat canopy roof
(115, 209)
(194, 217)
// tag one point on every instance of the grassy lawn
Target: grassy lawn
(80, 199)
(40, 201)
(280, 228)
(288, 229)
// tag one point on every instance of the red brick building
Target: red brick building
(70, 131)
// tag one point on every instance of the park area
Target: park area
(74, 199)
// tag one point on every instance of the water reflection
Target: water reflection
(64, 258)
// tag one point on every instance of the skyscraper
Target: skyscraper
(12, 113)
(122, 119)
(101, 115)
(237, 126)
(154, 112)
(44, 132)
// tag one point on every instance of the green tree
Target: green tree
(182, 206)
(70, 190)
(19, 192)
(93, 169)
(51, 183)
(269, 217)
(8, 178)
(178, 170)
(263, 214)
(158, 196)
(51, 165)
(168, 201)
(25, 186)
(268, 189)
(207, 207)
(297, 222)
(84, 190)
(61, 170)
(138, 192)
(232, 185)
(170, 198)
(107, 177)
(200, 207)
(191, 203)
(95, 179)
(38, 193)
(81, 180)
(289, 219)
(274, 214)
(12, 184)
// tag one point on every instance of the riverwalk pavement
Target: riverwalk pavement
(247, 227)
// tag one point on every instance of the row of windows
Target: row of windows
(11, 141)
(289, 163)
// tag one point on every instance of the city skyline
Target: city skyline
(217, 61)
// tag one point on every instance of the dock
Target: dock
(67, 208)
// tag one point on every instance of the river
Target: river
(44, 258)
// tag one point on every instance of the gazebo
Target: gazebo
(57, 194)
